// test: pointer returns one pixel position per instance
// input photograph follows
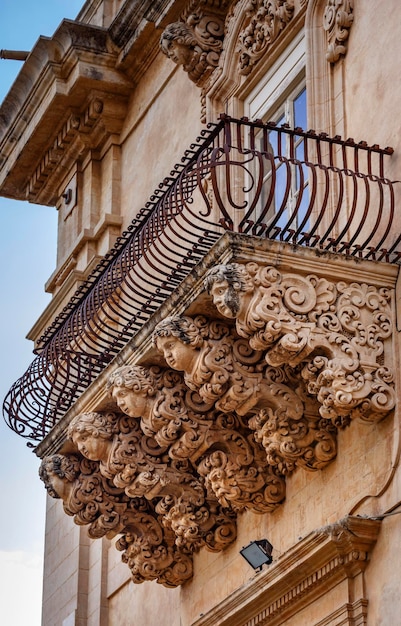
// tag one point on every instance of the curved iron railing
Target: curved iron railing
(249, 177)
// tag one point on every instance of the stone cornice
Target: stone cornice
(56, 78)
(329, 555)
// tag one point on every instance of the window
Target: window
(281, 98)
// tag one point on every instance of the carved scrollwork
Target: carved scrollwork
(223, 369)
(86, 494)
(148, 533)
(150, 555)
(218, 365)
(267, 19)
(135, 463)
(336, 330)
(337, 21)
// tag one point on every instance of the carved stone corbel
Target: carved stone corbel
(216, 363)
(92, 500)
(151, 555)
(217, 443)
(337, 21)
(336, 330)
(294, 439)
(137, 465)
(157, 540)
(196, 41)
(223, 370)
(267, 19)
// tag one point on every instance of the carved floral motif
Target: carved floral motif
(268, 19)
(337, 21)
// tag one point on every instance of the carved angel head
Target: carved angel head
(92, 433)
(58, 472)
(226, 284)
(179, 340)
(178, 43)
(131, 386)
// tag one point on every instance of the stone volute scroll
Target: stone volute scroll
(337, 21)
(335, 333)
(196, 41)
(147, 546)
(134, 463)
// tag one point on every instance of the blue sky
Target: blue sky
(27, 259)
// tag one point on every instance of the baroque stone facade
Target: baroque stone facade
(234, 376)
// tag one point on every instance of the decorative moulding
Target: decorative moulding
(337, 21)
(322, 560)
(65, 71)
(267, 20)
(101, 117)
(196, 41)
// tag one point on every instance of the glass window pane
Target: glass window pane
(300, 110)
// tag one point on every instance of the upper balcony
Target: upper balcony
(281, 184)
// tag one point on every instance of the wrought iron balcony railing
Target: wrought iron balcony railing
(273, 182)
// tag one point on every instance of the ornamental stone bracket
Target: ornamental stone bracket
(216, 405)
(196, 41)
(332, 333)
(337, 21)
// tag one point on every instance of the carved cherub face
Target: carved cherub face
(59, 472)
(60, 486)
(177, 52)
(91, 447)
(231, 287)
(178, 43)
(179, 355)
(225, 298)
(133, 403)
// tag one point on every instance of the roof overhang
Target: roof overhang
(50, 91)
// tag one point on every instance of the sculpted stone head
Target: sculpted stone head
(228, 284)
(132, 387)
(179, 340)
(93, 433)
(58, 472)
(178, 43)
